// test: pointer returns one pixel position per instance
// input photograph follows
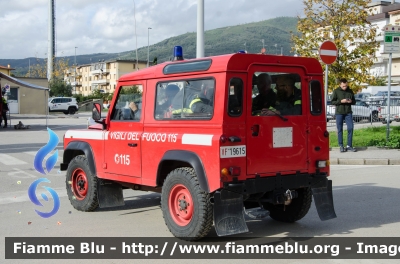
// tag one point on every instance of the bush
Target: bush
(370, 137)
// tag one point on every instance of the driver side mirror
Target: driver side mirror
(96, 113)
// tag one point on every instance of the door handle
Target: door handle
(132, 144)
(255, 129)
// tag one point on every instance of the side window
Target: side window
(276, 93)
(315, 97)
(235, 97)
(185, 99)
(129, 104)
(56, 101)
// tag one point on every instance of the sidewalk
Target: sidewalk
(365, 156)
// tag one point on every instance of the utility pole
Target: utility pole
(200, 29)
(148, 45)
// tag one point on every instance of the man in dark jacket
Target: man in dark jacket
(289, 97)
(266, 97)
(343, 99)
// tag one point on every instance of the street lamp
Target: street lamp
(148, 45)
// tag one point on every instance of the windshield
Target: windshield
(395, 102)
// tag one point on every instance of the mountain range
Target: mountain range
(276, 34)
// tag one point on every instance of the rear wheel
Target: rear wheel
(293, 212)
(186, 208)
(81, 185)
(72, 110)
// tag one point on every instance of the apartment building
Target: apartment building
(383, 13)
(102, 75)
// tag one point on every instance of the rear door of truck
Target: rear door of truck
(274, 143)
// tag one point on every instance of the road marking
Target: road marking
(9, 160)
(18, 171)
(22, 196)
(33, 153)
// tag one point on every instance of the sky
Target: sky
(108, 26)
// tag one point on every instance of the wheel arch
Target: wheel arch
(76, 148)
(173, 159)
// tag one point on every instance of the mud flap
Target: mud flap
(324, 201)
(228, 213)
(109, 194)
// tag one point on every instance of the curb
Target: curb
(339, 161)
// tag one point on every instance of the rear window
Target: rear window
(235, 97)
(315, 97)
(276, 93)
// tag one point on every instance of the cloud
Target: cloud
(109, 26)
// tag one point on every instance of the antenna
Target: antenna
(134, 17)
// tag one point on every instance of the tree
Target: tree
(39, 70)
(59, 87)
(345, 23)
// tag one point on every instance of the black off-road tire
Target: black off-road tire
(72, 110)
(66, 112)
(293, 212)
(79, 169)
(374, 116)
(201, 221)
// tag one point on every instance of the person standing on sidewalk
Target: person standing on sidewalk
(4, 108)
(343, 99)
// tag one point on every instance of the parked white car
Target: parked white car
(361, 110)
(67, 105)
(394, 110)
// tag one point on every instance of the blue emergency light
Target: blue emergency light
(178, 53)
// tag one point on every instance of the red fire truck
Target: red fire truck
(190, 130)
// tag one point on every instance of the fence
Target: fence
(369, 112)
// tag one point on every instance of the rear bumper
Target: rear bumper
(266, 184)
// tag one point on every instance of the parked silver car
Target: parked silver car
(361, 110)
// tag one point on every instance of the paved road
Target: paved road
(365, 197)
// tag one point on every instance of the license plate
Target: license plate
(233, 152)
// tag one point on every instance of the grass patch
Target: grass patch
(370, 137)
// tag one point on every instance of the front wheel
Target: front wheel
(293, 212)
(186, 208)
(81, 185)
(374, 117)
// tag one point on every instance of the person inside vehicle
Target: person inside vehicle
(191, 100)
(289, 97)
(170, 93)
(266, 98)
(129, 112)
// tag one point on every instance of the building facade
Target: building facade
(103, 75)
(383, 13)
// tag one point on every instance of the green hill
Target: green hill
(275, 32)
